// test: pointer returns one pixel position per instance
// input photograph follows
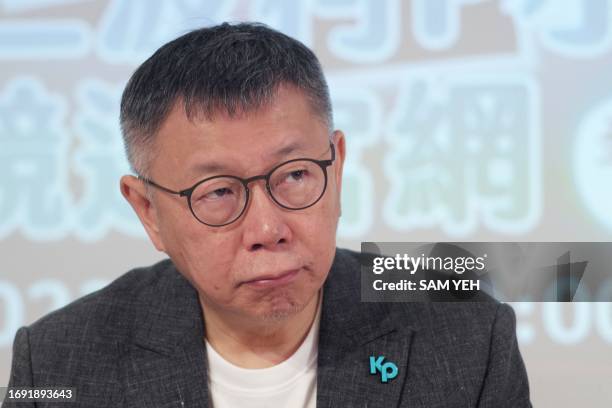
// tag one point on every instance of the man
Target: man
(229, 129)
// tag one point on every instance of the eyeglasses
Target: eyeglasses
(220, 200)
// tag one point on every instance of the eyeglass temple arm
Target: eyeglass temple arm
(154, 184)
(333, 150)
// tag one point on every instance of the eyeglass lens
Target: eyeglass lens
(294, 185)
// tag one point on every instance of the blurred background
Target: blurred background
(466, 120)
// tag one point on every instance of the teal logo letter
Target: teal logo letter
(388, 370)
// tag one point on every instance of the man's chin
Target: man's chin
(281, 314)
(282, 308)
(277, 310)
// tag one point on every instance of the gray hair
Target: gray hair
(231, 68)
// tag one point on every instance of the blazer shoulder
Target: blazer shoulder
(448, 322)
(104, 312)
(349, 258)
(474, 318)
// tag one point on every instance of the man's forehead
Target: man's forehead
(212, 163)
(285, 128)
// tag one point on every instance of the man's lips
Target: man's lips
(277, 279)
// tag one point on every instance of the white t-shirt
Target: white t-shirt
(292, 383)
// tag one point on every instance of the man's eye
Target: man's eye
(218, 193)
(296, 175)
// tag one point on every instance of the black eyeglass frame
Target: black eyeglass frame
(323, 164)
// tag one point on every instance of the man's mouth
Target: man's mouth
(272, 280)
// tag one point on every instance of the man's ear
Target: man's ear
(340, 146)
(135, 193)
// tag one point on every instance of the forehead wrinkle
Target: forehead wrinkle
(292, 147)
(208, 167)
(275, 157)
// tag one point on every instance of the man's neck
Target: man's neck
(258, 344)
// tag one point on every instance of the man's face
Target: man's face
(271, 261)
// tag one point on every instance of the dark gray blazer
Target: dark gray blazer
(139, 343)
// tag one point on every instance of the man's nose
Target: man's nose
(264, 221)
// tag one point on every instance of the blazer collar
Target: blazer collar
(165, 358)
(350, 333)
(172, 317)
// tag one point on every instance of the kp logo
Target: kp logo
(388, 370)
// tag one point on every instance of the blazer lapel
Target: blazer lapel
(350, 333)
(165, 361)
